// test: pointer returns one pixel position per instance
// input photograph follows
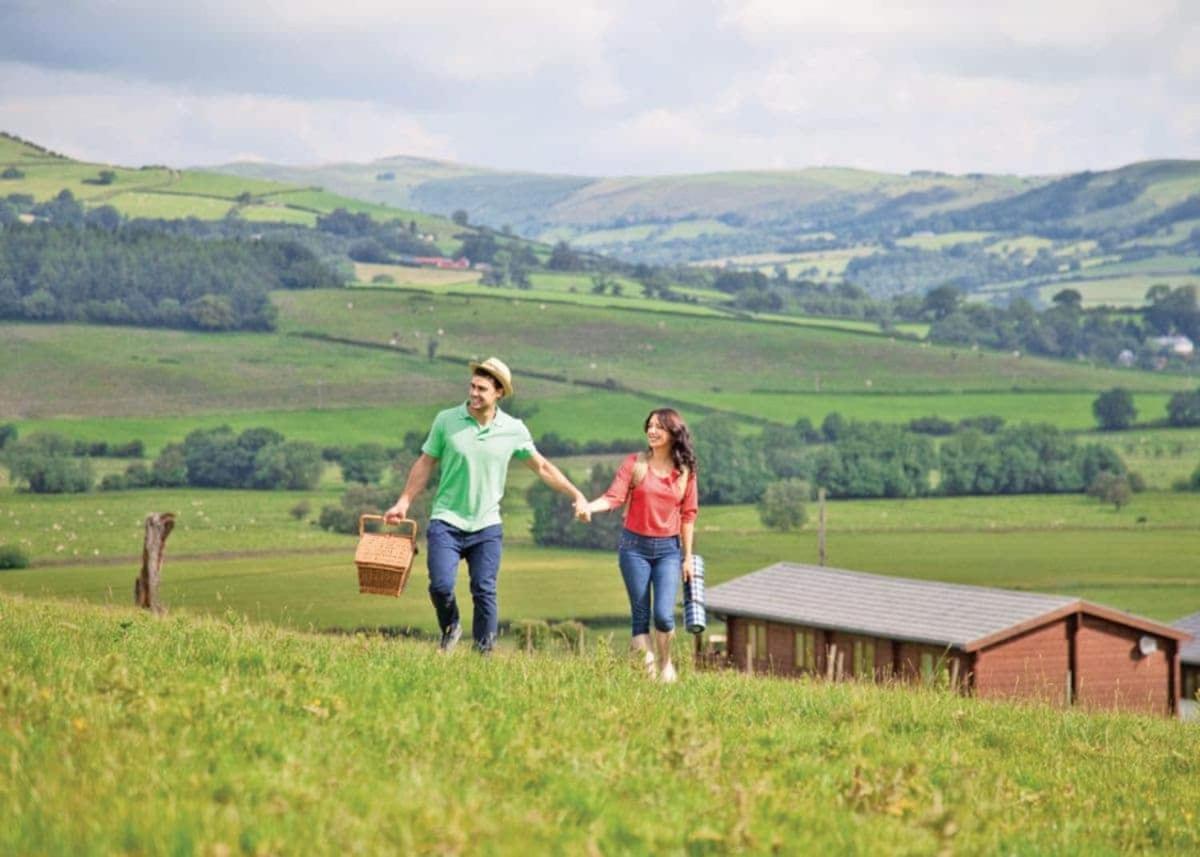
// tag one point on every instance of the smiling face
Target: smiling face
(483, 393)
(657, 436)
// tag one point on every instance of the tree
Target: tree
(554, 518)
(364, 463)
(44, 461)
(1114, 410)
(1111, 488)
(563, 258)
(1183, 409)
(942, 301)
(782, 505)
(1069, 298)
(460, 217)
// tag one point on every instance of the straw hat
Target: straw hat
(497, 368)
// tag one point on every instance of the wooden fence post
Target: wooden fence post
(145, 588)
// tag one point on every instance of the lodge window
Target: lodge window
(758, 640)
(1191, 684)
(806, 651)
(864, 659)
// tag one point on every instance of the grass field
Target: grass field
(1119, 291)
(658, 352)
(1067, 410)
(942, 240)
(239, 549)
(277, 213)
(256, 740)
(169, 206)
(406, 275)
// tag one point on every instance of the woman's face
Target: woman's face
(657, 436)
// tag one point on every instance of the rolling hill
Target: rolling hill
(1001, 236)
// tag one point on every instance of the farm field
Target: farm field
(273, 741)
(243, 550)
(657, 351)
(1067, 410)
(160, 192)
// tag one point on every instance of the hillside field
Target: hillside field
(216, 736)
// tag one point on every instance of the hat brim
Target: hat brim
(506, 386)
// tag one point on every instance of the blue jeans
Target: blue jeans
(448, 546)
(650, 564)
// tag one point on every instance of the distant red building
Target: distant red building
(460, 264)
(992, 643)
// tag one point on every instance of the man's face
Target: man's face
(483, 393)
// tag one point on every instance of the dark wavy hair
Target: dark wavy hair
(683, 454)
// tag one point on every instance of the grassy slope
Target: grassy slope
(167, 193)
(199, 737)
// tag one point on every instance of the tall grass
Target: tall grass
(120, 733)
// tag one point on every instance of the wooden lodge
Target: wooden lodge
(992, 643)
(1189, 657)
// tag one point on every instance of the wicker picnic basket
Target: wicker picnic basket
(384, 559)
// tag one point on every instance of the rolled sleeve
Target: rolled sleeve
(524, 448)
(435, 444)
(618, 491)
(689, 507)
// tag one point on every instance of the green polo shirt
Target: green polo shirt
(474, 465)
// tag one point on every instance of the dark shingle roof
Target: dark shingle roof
(944, 614)
(1189, 653)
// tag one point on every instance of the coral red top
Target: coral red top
(654, 505)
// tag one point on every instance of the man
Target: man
(473, 443)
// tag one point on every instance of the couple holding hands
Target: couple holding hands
(472, 445)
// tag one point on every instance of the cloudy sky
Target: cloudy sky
(608, 88)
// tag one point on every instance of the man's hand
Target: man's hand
(397, 512)
(583, 510)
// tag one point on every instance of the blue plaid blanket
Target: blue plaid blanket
(693, 599)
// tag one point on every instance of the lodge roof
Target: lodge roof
(1189, 653)
(922, 611)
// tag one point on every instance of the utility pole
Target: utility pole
(821, 525)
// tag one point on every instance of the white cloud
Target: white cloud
(103, 118)
(1036, 22)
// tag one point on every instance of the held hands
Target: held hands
(689, 566)
(583, 510)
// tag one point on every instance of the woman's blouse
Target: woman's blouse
(655, 508)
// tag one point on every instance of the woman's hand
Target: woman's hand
(689, 566)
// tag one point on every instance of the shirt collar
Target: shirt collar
(500, 420)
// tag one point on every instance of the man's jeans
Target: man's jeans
(448, 546)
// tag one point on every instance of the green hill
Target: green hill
(163, 192)
(214, 736)
(1002, 236)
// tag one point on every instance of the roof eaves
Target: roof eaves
(848, 629)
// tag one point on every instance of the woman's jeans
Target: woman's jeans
(650, 564)
(448, 546)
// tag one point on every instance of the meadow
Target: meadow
(657, 351)
(244, 550)
(219, 736)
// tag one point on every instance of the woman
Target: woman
(659, 486)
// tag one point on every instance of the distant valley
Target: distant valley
(1110, 235)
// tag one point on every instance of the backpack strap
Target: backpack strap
(641, 466)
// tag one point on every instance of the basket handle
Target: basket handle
(362, 523)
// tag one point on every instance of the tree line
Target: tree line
(78, 267)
